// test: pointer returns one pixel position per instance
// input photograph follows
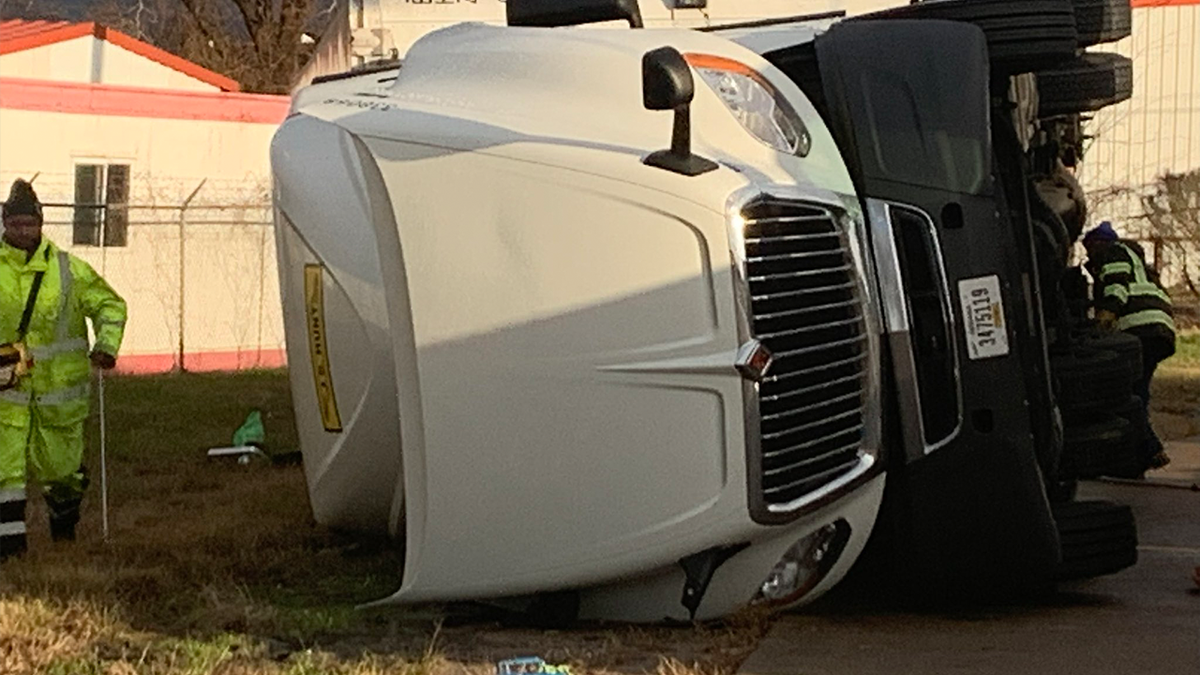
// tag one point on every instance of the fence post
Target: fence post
(262, 287)
(183, 268)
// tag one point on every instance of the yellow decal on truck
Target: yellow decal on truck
(318, 348)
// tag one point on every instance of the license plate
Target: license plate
(983, 317)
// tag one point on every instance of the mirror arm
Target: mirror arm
(679, 159)
(681, 136)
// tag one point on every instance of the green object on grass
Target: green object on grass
(251, 432)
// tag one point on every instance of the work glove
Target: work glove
(103, 360)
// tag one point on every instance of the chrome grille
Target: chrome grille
(807, 308)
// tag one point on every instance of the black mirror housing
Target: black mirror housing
(667, 81)
(667, 84)
(556, 13)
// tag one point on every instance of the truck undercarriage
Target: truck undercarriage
(961, 122)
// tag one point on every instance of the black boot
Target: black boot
(64, 516)
(12, 524)
(12, 546)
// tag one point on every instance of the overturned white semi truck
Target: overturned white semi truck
(612, 322)
(521, 309)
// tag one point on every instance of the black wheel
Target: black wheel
(1105, 448)
(1086, 83)
(1134, 412)
(1022, 35)
(1125, 345)
(1091, 380)
(1097, 538)
(1100, 21)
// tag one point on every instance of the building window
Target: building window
(101, 204)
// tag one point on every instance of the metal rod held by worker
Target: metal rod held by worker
(103, 463)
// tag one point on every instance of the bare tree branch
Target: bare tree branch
(1172, 209)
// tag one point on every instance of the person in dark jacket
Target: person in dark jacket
(1128, 297)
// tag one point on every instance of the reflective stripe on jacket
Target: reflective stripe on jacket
(71, 292)
(1126, 288)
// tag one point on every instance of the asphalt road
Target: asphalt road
(1142, 621)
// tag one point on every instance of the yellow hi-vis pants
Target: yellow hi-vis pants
(52, 456)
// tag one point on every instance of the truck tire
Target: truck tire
(1100, 21)
(1022, 35)
(1086, 83)
(1062, 491)
(1104, 448)
(1091, 380)
(1097, 538)
(1134, 412)
(1125, 345)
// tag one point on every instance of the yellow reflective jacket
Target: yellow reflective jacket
(57, 339)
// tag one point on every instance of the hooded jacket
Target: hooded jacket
(71, 292)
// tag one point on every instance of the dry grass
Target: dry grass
(1175, 392)
(216, 569)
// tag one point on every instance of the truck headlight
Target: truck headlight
(804, 565)
(755, 102)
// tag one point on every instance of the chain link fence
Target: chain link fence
(200, 279)
(1141, 168)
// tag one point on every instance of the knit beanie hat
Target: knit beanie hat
(22, 201)
(1104, 232)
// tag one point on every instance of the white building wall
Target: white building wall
(89, 60)
(231, 296)
(69, 61)
(174, 155)
(1157, 131)
(122, 67)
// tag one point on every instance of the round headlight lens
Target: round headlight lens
(804, 565)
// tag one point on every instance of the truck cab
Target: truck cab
(623, 271)
(725, 301)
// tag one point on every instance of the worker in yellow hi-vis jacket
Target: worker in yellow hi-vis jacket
(46, 295)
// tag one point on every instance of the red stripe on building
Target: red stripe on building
(1163, 3)
(202, 362)
(102, 99)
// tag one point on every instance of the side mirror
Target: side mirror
(555, 13)
(667, 84)
(667, 81)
